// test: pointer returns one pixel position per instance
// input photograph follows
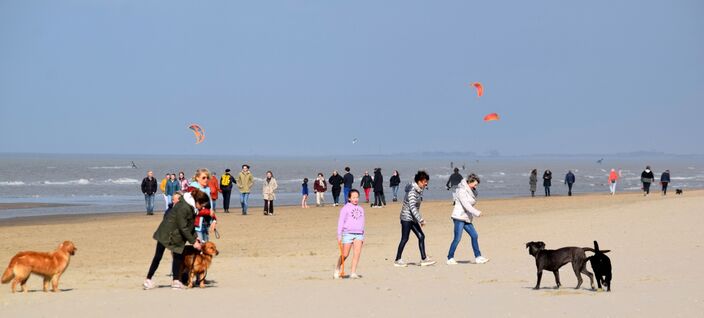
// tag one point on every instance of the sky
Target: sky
(307, 77)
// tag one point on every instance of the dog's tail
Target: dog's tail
(9, 273)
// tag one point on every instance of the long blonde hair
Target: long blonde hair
(201, 171)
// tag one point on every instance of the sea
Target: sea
(85, 184)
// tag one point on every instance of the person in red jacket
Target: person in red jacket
(214, 186)
(613, 176)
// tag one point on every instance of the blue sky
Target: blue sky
(306, 77)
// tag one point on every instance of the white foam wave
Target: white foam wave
(123, 181)
(11, 183)
(79, 182)
(111, 167)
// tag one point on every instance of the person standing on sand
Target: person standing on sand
(547, 182)
(244, 182)
(320, 186)
(350, 232)
(569, 181)
(613, 177)
(348, 180)
(664, 181)
(226, 182)
(452, 183)
(149, 187)
(173, 232)
(412, 220)
(268, 188)
(533, 181)
(304, 193)
(647, 178)
(462, 216)
(379, 199)
(182, 181)
(336, 182)
(162, 187)
(394, 183)
(172, 186)
(204, 215)
(214, 186)
(366, 184)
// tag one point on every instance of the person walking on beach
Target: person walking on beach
(226, 182)
(304, 193)
(268, 189)
(182, 181)
(569, 181)
(613, 177)
(366, 184)
(394, 183)
(533, 181)
(452, 182)
(379, 200)
(214, 186)
(162, 187)
(172, 186)
(244, 182)
(547, 182)
(149, 187)
(336, 182)
(412, 220)
(664, 181)
(463, 214)
(320, 186)
(204, 215)
(348, 181)
(174, 231)
(350, 233)
(647, 178)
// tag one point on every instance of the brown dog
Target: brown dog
(197, 262)
(49, 265)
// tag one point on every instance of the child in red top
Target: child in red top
(205, 220)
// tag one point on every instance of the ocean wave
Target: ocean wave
(79, 182)
(11, 183)
(123, 181)
(111, 167)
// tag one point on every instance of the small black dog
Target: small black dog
(552, 260)
(601, 265)
(678, 191)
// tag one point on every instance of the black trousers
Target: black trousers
(547, 191)
(158, 254)
(569, 186)
(336, 194)
(406, 228)
(664, 188)
(226, 199)
(269, 206)
(379, 198)
(646, 187)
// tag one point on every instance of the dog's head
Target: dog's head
(209, 248)
(68, 247)
(678, 191)
(535, 247)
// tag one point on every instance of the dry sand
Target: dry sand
(282, 265)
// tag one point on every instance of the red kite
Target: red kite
(198, 132)
(491, 117)
(480, 88)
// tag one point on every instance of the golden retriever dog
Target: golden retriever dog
(197, 262)
(48, 265)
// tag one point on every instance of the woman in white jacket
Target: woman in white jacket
(463, 213)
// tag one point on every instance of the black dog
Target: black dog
(678, 191)
(552, 260)
(601, 264)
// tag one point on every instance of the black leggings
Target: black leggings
(269, 206)
(175, 264)
(336, 195)
(379, 198)
(664, 187)
(646, 187)
(226, 199)
(406, 228)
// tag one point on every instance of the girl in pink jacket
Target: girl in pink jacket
(350, 232)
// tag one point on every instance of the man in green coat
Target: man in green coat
(245, 181)
(175, 230)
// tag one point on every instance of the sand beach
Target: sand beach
(282, 265)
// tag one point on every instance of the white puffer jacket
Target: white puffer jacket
(464, 204)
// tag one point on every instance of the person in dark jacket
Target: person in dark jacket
(547, 182)
(569, 181)
(394, 183)
(452, 183)
(647, 178)
(664, 180)
(174, 231)
(336, 182)
(379, 200)
(149, 187)
(226, 183)
(348, 179)
(533, 182)
(367, 183)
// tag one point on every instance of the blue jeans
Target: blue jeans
(149, 200)
(244, 201)
(346, 192)
(469, 228)
(395, 191)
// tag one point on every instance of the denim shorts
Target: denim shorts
(349, 237)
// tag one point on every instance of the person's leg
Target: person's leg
(266, 206)
(546, 190)
(664, 188)
(405, 231)
(215, 201)
(457, 232)
(167, 199)
(155, 261)
(146, 202)
(395, 191)
(151, 203)
(532, 193)
(415, 227)
(366, 194)
(336, 196)
(345, 193)
(377, 198)
(318, 198)
(345, 253)
(569, 189)
(226, 200)
(469, 228)
(271, 207)
(646, 187)
(242, 203)
(383, 200)
(357, 252)
(177, 260)
(246, 202)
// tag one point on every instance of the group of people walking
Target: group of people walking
(343, 184)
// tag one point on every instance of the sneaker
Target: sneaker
(400, 263)
(177, 285)
(148, 284)
(451, 261)
(355, 276)
(336, 274)
(480, 260)
(427, 262)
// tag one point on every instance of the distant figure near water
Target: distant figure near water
(647, 177)
(664, 181)
(533, 181)
(569, 181)
(547, 182)
(613, 177)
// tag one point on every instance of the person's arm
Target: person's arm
(415, 212)
(274, 186)
(341, 222)
(467, 202)
(144, 186)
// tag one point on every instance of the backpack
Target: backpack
(225, 180)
